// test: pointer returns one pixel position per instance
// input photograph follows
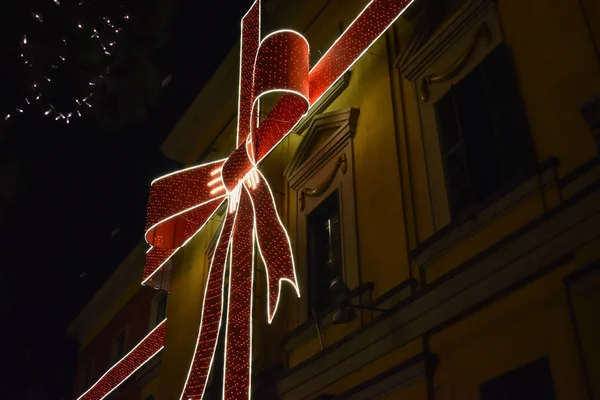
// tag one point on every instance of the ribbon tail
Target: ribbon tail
(150, 346)
(238, 345)
(210, 323)
(273, 243)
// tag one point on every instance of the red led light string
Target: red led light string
(181, 203)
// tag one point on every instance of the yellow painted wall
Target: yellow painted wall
(377, 367)
(557, 71)
(184, 311)
(531, 323)
(416, 390)
(586, 306)
(382, 251)
(151, 388)
(382, 243)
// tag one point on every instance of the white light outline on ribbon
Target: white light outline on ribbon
(237, 132)
(346, 70)
(281, 280)
(122, 358)
(243, 187)
(202, 315)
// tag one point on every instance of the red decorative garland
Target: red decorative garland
(181, 203)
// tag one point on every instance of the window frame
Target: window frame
(83, 386)
(335, 253)
(113, 357)
(152, 323)
(439, 54)
(309, 168)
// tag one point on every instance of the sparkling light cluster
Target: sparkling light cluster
(36, 99)
(181, 203)
(131, 362)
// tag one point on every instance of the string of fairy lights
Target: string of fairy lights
(103, 35)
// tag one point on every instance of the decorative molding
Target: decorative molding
(448, 237)
(585, 279)
(310, 167)
(304, 164)
(483, 33)
(308, 330)
(341, 163)
(521, 257)
(582, 177)
(395, 378)
(431, 17)
(463, 20)
(415, 10)
(332, 94)
(582, 285)
(393, 297)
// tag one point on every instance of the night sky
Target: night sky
(73, 197)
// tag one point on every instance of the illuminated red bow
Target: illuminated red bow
(181, 203)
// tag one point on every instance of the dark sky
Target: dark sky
(67, 189)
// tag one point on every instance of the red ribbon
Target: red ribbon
(181, 203)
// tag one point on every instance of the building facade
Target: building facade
(115, 320)
(443, 203)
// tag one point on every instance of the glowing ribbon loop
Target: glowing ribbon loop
(179, 206)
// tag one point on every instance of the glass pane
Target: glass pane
(447, 122)
(532, 381)
(161, 309)
(483, 132)
(323, 244)
(477, 132)
(507, 113)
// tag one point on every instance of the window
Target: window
(118, 347)
(161, 308)
(324, 251)
(483, 133)
(158, 309)
(85, 378)
(321, 175)
(475, 136)
(532, 381)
